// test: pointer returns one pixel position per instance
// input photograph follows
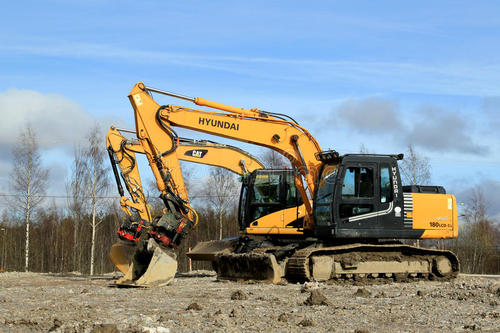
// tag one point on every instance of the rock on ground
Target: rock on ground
(316, 298)
(31, 302)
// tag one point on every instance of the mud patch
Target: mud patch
(362, 292)
(194, 306)
(105, 328)
(306, 322)
(56, 325)
(284, 317)
(239, 295)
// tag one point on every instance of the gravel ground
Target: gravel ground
(200, 303)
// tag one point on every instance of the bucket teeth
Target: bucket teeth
(248, 266)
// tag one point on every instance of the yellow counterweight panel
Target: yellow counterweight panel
(436, 214)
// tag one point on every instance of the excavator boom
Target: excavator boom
(273, 131)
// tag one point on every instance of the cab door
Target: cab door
(389, 208)
(358, 201)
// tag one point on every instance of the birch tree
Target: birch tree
(28, 180)
(3, 231)
(274, 160)
(221, 191)
(415, 168)
(97, 182)
(76, 194)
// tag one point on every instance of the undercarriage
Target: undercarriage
(317, 261)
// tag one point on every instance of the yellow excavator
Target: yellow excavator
(348, 209)
(122, 152)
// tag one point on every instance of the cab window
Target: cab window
(265, 196)
(356, 186)
(292, 195)
(358, 183)
(266, 189)
(385, 184)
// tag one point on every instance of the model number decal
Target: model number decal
(439, 225)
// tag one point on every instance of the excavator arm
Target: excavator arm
(122, 153)
(216, 154)
(274, 131)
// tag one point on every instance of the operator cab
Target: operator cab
(267, 191)
(368, 194)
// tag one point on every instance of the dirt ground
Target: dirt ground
(200, 303)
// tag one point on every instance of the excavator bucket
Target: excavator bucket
(121, 254)
(248, 266)
(207, 251)
(153, 266)
(237, 266)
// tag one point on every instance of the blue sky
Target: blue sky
(383, 74)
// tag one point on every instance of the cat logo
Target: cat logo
(198, 153)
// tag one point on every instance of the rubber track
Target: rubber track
(298, 265)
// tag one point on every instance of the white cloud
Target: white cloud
(59, 124)
(442, 130)
(57, 120)
(431, 128)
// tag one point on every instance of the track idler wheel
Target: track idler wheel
(441, 266)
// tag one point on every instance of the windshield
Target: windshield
(326, 182)
(324, 195)
(266, 189)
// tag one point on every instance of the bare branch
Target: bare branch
(415, 168)
(221, 192)
(274, 160)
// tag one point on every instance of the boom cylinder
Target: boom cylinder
(204, 102)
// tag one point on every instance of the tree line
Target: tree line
(38, 235)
